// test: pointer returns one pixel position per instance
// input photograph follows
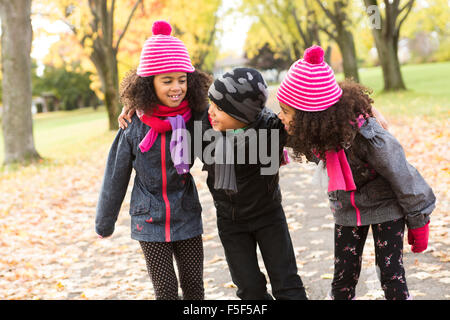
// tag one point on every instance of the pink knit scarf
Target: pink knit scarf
(339, 171)
(158, 126)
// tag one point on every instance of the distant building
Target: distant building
(228, 63)
(46, 102)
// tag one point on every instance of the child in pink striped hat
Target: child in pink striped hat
(168, 94)
(370, 182)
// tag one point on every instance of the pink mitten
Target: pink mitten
(418, 238)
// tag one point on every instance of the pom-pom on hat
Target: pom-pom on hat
(161, 27)
(310, 84)
(163, 53)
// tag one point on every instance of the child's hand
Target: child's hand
(126, 114)
(418, 238)
(379, 117)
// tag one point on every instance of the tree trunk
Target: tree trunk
(327, 55)
(111, 91)
(104, 53)
(346, 45)
(388, 56)
(106, 64)
(343, 37)
(386, 41)
(17, 122)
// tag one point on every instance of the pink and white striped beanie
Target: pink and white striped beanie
(163, 53)
(309, 84)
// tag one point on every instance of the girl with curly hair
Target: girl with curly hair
(370, 182)
(168, 94)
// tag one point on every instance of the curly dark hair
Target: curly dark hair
(316, 132)
(139, 92)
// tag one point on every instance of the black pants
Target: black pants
(349, 245)
(189, 256)
(270, 232)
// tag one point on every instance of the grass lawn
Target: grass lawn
(61, 135)
(427, 94)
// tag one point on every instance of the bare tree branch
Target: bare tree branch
(71, 26)
(408, 8)
(408, 4)
(327, 12)
(93, 9)
(111, 22)
(116, 48)
(330, 33)
(299, 27)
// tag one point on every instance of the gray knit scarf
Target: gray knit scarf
(242, 94)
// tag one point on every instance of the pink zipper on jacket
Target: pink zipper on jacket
(164, 185)
(358, 214)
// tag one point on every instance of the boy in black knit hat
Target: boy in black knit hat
(247, 200)
(246, 189)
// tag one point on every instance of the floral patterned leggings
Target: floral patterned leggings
(349, 245)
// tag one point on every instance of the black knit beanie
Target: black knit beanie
(241, 93)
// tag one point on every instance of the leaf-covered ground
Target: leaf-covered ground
(49, 249)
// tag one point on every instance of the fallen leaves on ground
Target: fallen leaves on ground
(427, 146)
(49, 249)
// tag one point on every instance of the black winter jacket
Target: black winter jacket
(164, 205)
(257, 194)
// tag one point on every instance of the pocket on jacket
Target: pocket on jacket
(223, 209)
(145, 214)
(378, 189)
(142, 203)
(141, 208)
(190, 200)
(190, 203)
(336, 201)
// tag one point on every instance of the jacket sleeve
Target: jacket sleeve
(273, 122)
(115, 183)
(385, 154)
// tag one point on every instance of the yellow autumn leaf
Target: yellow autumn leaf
(59, 286)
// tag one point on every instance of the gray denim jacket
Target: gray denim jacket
(388, 187)
(164, 205)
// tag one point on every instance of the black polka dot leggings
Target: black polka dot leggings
(189, 257)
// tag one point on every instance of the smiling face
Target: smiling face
(222, 121)
(286, 116)
(171, 88)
